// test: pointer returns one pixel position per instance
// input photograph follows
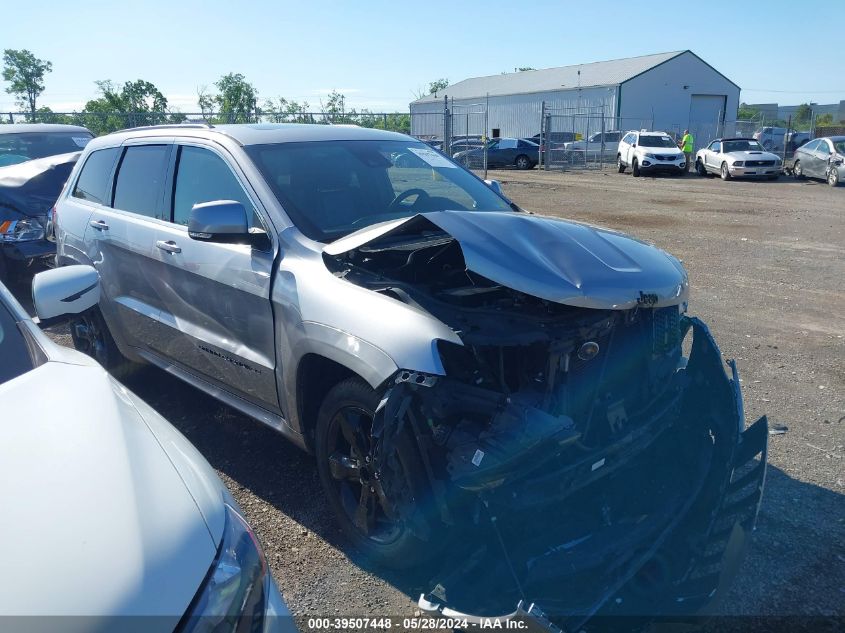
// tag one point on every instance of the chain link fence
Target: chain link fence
(105, 122)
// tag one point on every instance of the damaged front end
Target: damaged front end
(578, 459)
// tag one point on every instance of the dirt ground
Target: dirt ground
(767, 269)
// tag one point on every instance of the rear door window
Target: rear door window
(138, 186)
(93, 182)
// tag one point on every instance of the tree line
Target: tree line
(135, 103)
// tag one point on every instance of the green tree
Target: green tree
(134, 104)
(747, 112)
(237, 100)
(25, 74)
(437, 85)
(284, 111)
(803, 114)
(46, 115)
(522, 69)
(824, 119)
(205, 101)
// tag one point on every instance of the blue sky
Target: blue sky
(380, 53)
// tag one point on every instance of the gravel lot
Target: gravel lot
(767, 265)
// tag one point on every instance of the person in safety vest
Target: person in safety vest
(687, 144)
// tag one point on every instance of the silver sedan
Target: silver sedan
(822, 158)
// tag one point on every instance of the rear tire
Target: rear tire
(725, 172)
(344, 461)
(91, 336)
(635, 168)
(620, 166)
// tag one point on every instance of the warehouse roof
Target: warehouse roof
(609, 73)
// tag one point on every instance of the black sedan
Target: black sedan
(502, 152)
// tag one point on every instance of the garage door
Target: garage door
(705, 112)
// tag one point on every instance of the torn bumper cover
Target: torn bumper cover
(650, 522)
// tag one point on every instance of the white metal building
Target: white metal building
(665, 91)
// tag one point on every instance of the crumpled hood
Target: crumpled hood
(32, 187)
(96, 519)
(557, 260)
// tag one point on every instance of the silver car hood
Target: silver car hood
(96, 520)
(752, 155)
(557, 260)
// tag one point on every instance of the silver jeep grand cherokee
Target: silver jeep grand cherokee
(507, 401)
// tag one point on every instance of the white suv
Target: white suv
(650, 151)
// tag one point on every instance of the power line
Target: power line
(795, 91)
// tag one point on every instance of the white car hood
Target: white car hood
(96, 519)
(671, 151)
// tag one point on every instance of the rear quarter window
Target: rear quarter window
(93, 181)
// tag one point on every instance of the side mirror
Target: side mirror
(219, 221)
(495, 186)
(64, 291)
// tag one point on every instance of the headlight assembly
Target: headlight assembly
(738, 163)
(25, 230)
(233, 596)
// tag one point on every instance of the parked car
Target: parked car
(555, 138)
(771, 138)
(25, 141)
(28, 191)
(737, 158)
(479, 384)
(602, 145)
(794, 139)
(110, 513)
(502, 152)
(465, 144)
(647, 152)
(821, 158)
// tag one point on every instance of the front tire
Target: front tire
(700, 169)
(833, 176)
(798, 171)
(725, 172)
(620, 166)
(635, 168)
(91, 336)
(365, 498)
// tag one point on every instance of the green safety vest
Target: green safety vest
(688, 143)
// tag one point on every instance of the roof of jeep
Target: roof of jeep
(40, 128)
(256, 133)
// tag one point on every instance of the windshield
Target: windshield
(18, 148)
(13, 349)
(839, 146)
(741, 146)
(657, 141)
(333, 188)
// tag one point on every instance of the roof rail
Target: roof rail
(169, 126)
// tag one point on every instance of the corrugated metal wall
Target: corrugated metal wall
(513, 115)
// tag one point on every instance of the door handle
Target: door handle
(100, 225)
(169, 246)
